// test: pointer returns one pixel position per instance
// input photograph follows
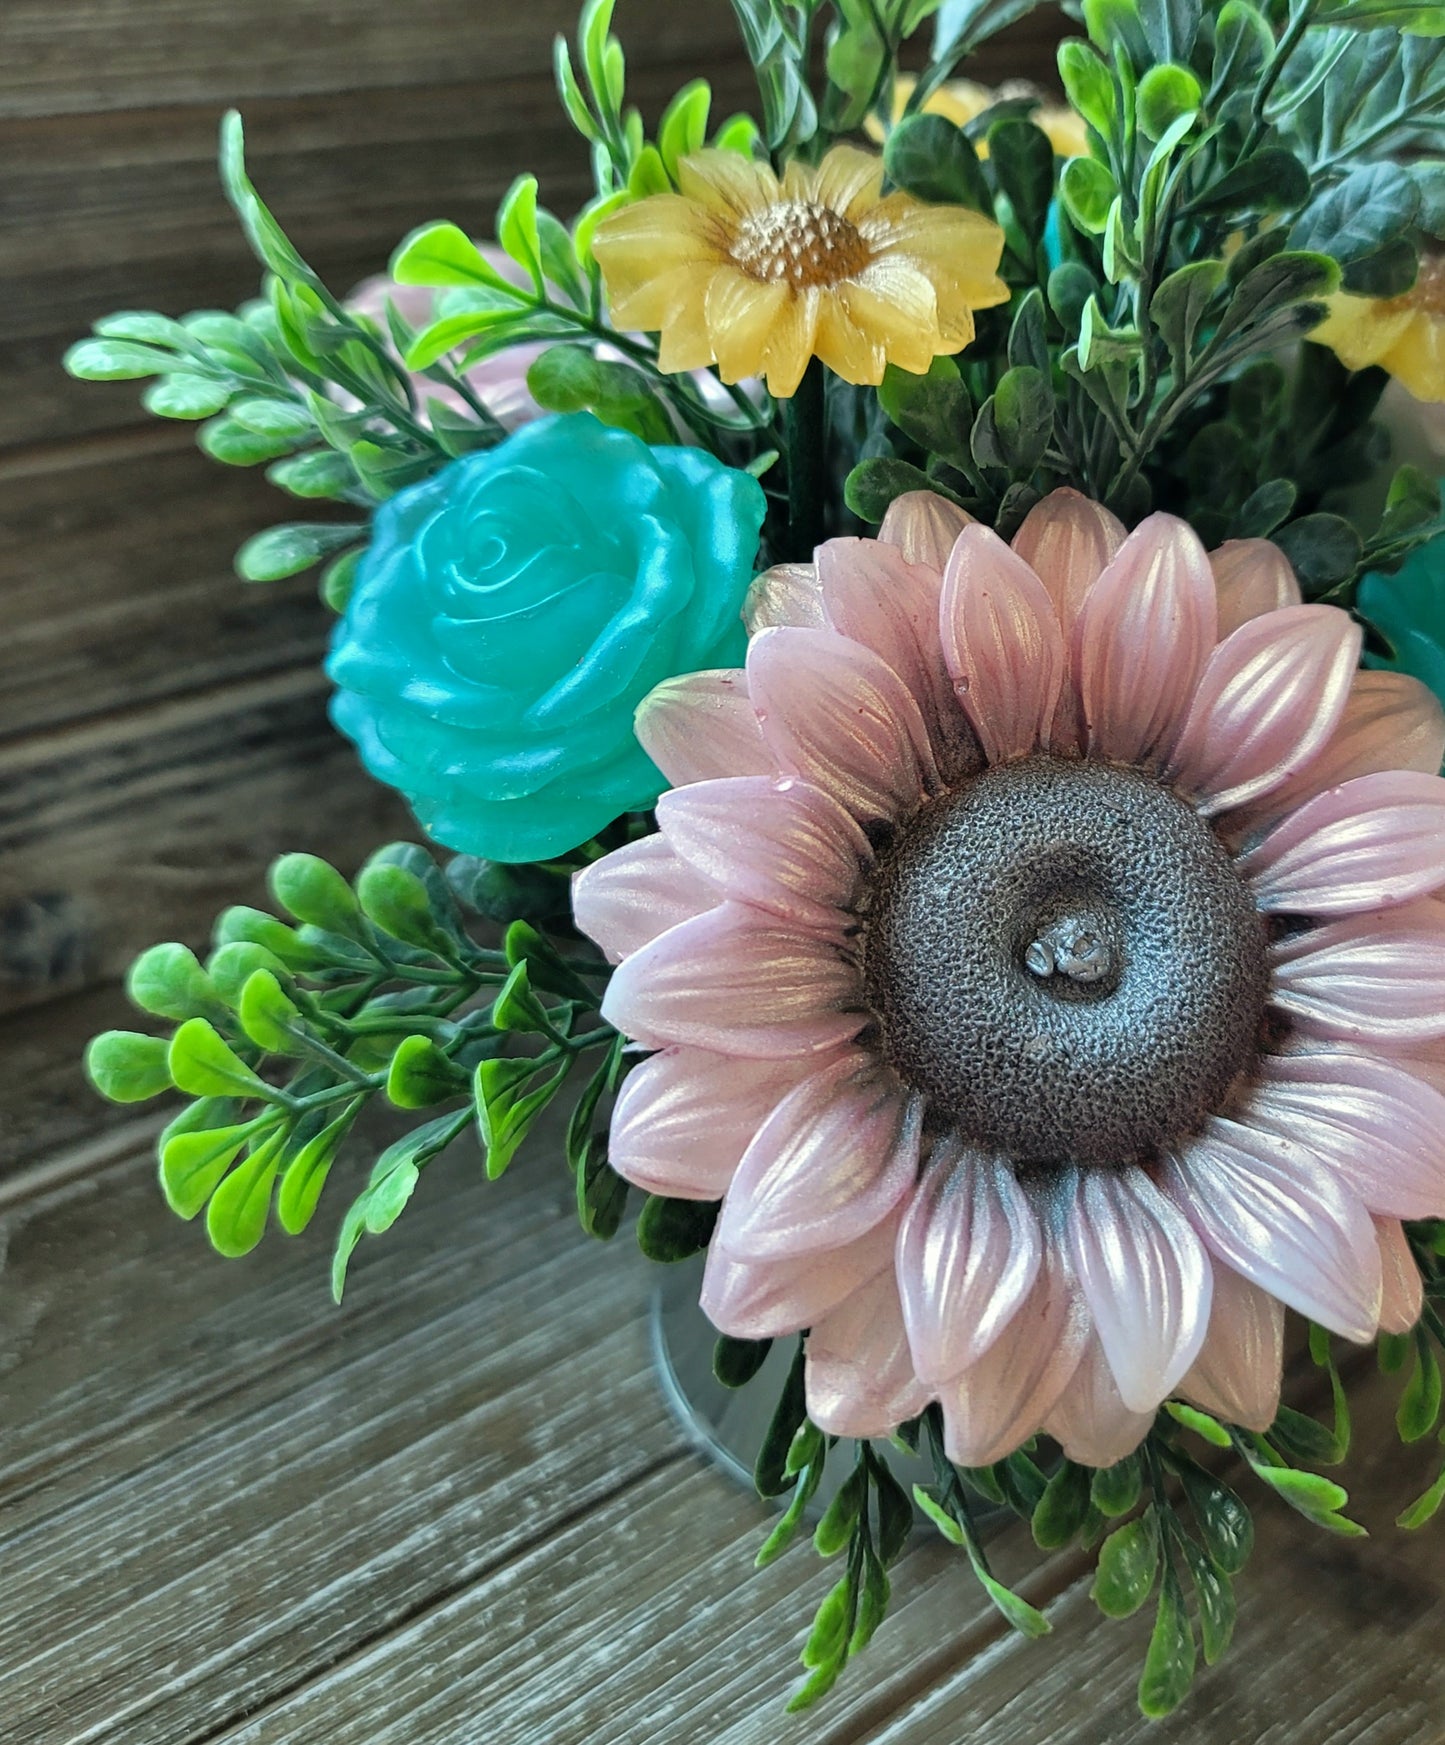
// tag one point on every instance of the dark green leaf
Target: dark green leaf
(1181, 303)
(1264, 509)
(1061, 1510)
(934, 410)
(1324, 552)
(672, 1230)
(1358, 216)
(1269, 180)
(1216, 1602)
(873, 484)
(736, 1361)
(1389, 273)
(1128, 1566)
(1303, 1438)
(1115, 1489)
(769, 1473)
(1023, 161)
(934, 160)
(1225, 1524)
(1419, 1408)
(1169, 1663)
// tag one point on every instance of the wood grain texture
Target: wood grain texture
(96, 55)
(118, 583)
(143, 826)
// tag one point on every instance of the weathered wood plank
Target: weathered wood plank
(118, 582)
(643, 1621)
(1338, 1639)
(94, 55)
(144, 825)
(232, 1484)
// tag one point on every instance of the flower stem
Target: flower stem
(804, 423)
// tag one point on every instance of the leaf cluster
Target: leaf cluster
(374, 990)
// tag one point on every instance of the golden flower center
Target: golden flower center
(800, 243)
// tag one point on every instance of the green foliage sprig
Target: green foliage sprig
(374, 991)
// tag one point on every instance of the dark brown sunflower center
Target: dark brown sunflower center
(800, 243)
(1064, 960)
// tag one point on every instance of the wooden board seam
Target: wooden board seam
(447, 1595)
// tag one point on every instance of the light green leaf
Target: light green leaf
(236, 1215)
(442, 254)
(128, 1067)
(203, 1065)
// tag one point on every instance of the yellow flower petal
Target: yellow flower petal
(1417, 358)
(790, 345)
(741, 315)
(725, 184)
(848, 181)
(1360, 330)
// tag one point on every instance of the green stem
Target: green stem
(804, 423)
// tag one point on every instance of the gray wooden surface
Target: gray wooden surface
(457, 1510)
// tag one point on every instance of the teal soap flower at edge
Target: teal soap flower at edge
(1408, 609)
(513, 610)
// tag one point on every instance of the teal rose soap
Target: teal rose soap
(513, 610)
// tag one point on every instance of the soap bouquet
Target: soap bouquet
(908, 627)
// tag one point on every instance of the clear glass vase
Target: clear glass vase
(728, 1424)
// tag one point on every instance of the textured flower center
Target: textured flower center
(1064, 961)
(801, 243)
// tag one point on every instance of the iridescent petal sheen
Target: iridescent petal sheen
(832, 1160)
(1369, 844)
(684, 1118)
(1236, 1375)
(775, 842)
(1141, 638)
(1146, 1280)
(1267, 704)
(968, 1254)
(736, 982)
(623, 901)
(834, 713)
(703, 725)
(1251, 577)
(1002, 643)
(766, 1299)
(858, 1374)
(1266, 1206)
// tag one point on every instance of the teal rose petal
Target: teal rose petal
(1408, 609)
(514, 609)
